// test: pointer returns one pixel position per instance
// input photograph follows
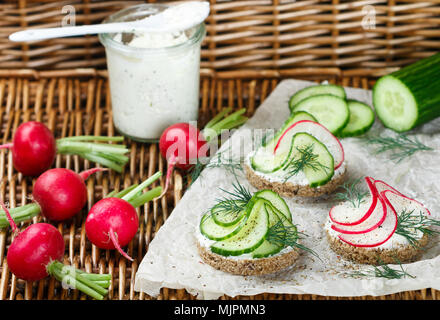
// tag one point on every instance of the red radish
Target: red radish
(36, 252)
(182, 144)
(377, 236)
(318, 131)
(61, 193)
(33, 249)
(34, 149)
(58, 194)
(113, 221)
(375, 219)
(111, 224)
(340, 217)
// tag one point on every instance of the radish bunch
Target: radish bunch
(59, 194)
(36, 253)
(34, 149)
(182, 144)
(113, 221)
(374, 224)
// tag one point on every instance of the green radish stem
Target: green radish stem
(109, 155)
(145, 197)
(19, 214)
(93, 138)
(122, 193)
(79, 280)
(218, 123)
(130, 196)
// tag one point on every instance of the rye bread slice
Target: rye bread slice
(248, 267)
(406, 253)
(288, 189)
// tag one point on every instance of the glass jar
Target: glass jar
(154, 78)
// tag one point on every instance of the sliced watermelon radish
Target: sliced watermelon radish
(341, 218)
(383, 186)
(377, 236)
(318, 131)
(399, 203)
(375, 219)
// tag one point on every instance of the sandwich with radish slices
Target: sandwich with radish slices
(302, 159)
(384, 227)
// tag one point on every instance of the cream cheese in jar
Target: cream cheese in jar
(154, 77)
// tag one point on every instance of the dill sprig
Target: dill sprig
(352, 193)
(287, 236)
(409, 226)
(384, 271)
(400, 146)
(236, 201)
(218, 161)
(305, 158)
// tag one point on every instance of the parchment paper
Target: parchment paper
(172, 260)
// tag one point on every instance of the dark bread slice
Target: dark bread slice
(407, 253)
(288, 189)
(248, 267)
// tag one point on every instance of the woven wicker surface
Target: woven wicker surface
(281, 35)
(79, 104)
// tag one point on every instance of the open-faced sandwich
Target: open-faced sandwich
(302, 159)
(384, 227)
(249, 234)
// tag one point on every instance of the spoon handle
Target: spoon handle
(50, 33)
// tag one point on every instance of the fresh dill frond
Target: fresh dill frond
(305, 158)
(399, 146)
(233, 204)
(239, 193)
(287, 236)
(409, 226)
(384, 271)
(353, 193)
(218, 161)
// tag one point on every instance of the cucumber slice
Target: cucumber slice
(250, 236)
(361, 119)
(266, 248)
(264, 160)
(305, 93)
(210, 229)
(410, 96)
(321, 170)
(330, 111)
(276, 201)
(224, 217)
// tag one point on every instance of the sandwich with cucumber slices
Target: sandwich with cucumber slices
(302, 159)
(249, 234)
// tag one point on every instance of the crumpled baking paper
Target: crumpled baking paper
(172, 260)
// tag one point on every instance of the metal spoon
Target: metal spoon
(169, 20)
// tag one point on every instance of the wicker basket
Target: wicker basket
(250, 46)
